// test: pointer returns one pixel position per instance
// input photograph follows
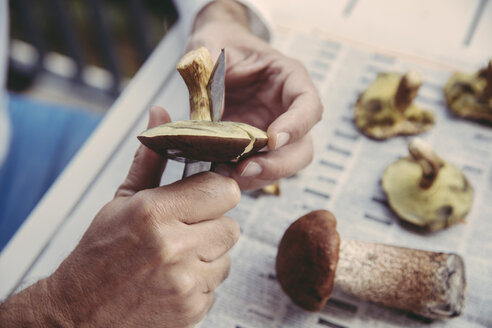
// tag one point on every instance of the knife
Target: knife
(216, 91)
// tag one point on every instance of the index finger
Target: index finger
(198, 198)
(304, 108)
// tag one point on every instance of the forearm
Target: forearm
(229, 11)
(32, 307)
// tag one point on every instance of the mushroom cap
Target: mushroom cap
(377, 117)
(444, 203)
(307, 259)
(204, 140)
(464, 96)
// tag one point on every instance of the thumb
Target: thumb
(148, 166)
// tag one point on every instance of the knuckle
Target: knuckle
(171, 247)
(143, 220)
(181, 284)
(149, 209)
(227, 234)
(233, 232)
(169, 251)
(144, 208)
(227, 267)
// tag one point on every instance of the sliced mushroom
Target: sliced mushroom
(385, 109)
(425, 190)
(201, 139)
(470, 95)
(204, 140)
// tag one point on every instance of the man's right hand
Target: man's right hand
(151, 257)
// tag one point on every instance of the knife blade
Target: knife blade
(216, 92)
(216, 88)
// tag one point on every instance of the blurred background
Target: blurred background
(82, 53)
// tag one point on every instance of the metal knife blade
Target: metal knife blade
(216, 88)
(216, 91)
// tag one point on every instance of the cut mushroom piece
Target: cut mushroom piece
(195, 67)
(425, 190)
(311, 259)
(385, 109)
(272, 189)
(470, 95)
(204, 140)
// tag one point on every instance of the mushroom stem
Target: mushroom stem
(195, 68)
(407, 90)
(427, 283)
(425, 156)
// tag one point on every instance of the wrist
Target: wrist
(222, 11)
(33, 307)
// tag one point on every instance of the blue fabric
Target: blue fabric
(44, 139)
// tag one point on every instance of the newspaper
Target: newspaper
(344, 178)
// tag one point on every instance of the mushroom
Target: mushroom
(470, 95)
(385, 109)
(201, 139)
(272, 189)
(204, 140)
(312, 259)
(426, 191)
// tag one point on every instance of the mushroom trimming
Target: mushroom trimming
(311, 259)
(201, 139)
(386, 108)
(425, 190)
(470, 95)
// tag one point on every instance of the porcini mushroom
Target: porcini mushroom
(311, 259)
(386, 108)
(425, 190)
(201, 139)
(272, 189)
(470, 95)
(204, 140)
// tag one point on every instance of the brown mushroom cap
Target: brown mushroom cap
(204, 140)
(307, 259)
(381, 114)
